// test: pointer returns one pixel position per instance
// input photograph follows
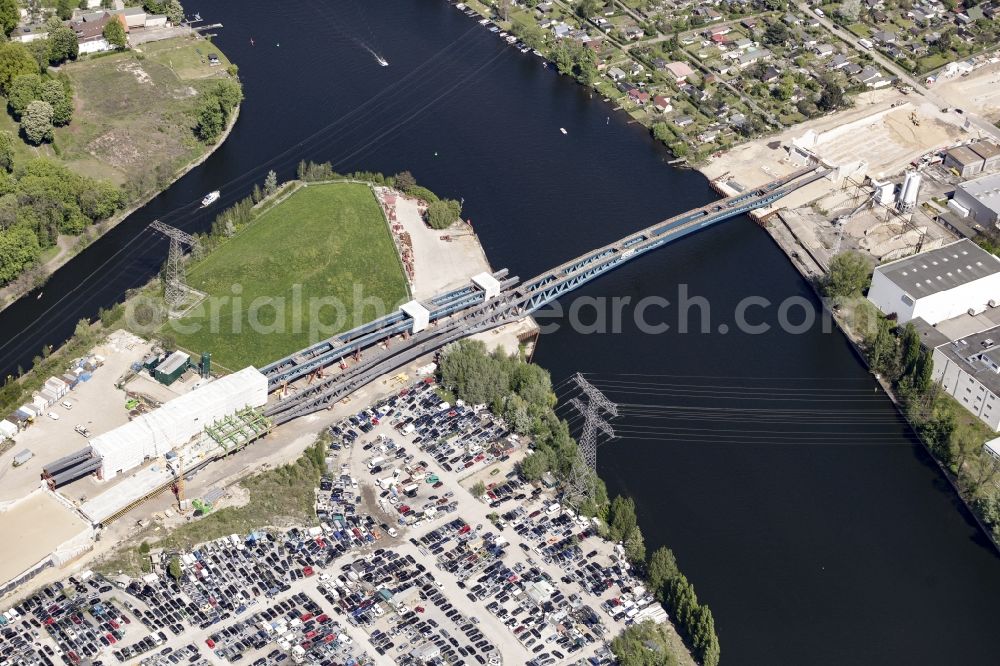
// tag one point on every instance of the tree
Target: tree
(586, 67)
(850, 10)
(442, 214)
(404, 181)
(776, 32)
(621, 518)
(15, 60)
(479, 489)
(64, 9)
(174, 11)
(535, 465)
(36, 123)
(6, 152)
(703, 637)
(910, 350)
(216, 105)
(849, 275)
(19, 249)
(63, 45)
(662, 567)
(635, 545)
(174, 568)
(23, 91)
(10, 14)
(270, 183)
(114, 33)
(587, 8)
(211, 121)
(54, 93)
(831, 97)
(644, 644)
(101, 200)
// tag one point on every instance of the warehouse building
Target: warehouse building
(969, 370)
(973, 158)
(938, 284)
(979, 199)
(172, 368)
(175, 423)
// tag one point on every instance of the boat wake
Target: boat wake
(379, 59)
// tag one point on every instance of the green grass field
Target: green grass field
(331, 240)
(134, 111)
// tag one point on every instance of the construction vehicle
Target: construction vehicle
(914, 119)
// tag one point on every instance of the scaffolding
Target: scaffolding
(234, 432)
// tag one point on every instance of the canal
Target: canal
(797, 503)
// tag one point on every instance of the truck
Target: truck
(374, 462)
(23, 457)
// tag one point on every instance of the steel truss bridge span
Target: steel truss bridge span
(385, 345)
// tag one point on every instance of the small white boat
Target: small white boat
(460, 5)
(563, 130)
(382, 61)
(484, 22)
(210, 198)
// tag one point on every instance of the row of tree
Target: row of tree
(693, 620)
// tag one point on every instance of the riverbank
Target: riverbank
(69, 246)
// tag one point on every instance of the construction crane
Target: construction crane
(178, 486)
(176, 283)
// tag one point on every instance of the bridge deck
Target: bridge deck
(462, 315)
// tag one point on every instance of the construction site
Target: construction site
(142, 431)
(890, 184)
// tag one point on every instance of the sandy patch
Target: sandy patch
(137, 71)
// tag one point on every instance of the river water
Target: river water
(814, 541)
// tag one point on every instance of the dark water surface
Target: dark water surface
(823, 543)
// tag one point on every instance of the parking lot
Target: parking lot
(404, 566)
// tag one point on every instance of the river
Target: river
(817, 544)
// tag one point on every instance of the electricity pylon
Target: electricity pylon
(176, 284)
(592, 419)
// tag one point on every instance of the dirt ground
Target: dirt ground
(32, 529)
(873, 131)
(439, 263)
(978, 92)
(96, 404)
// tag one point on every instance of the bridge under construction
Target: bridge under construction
(340, 365)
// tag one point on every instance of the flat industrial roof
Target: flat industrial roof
(986, 149)
(985, 190)
(968, 353)
(172, 362)
(941, 269)
(965, 155)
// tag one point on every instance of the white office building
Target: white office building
(968, 369)
(938, 284)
